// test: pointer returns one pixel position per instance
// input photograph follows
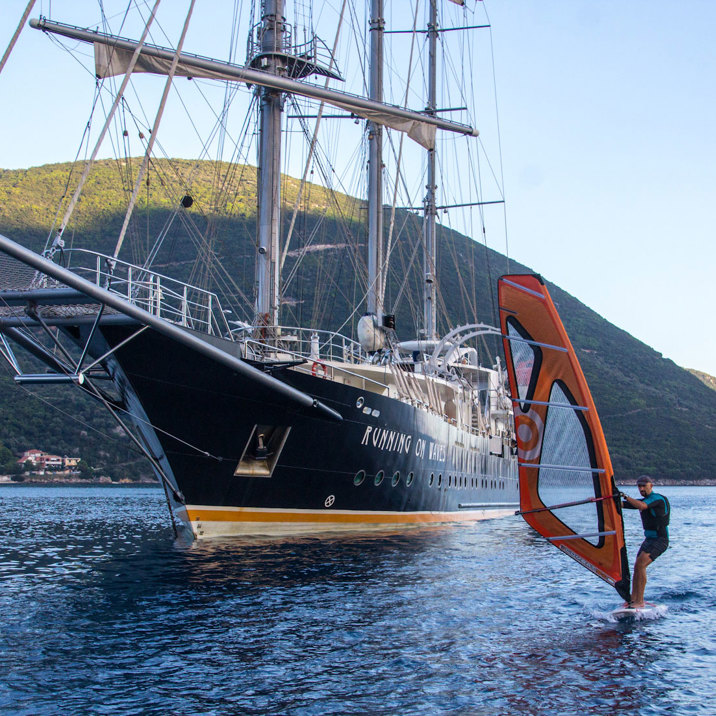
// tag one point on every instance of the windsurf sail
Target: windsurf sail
(567, 488)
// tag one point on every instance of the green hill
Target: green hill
(658, 417)
(705, 378)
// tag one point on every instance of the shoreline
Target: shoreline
(148, 482)
(65, 482)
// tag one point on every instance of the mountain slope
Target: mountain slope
(658, 417)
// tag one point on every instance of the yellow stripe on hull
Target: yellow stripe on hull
(206, 521)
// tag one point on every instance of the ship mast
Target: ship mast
(272, 40)
(274, 68)
(429, 242)
(375, 166)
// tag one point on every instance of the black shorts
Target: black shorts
(654, 546)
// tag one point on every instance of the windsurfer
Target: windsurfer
(655, 512)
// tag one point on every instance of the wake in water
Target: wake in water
(653, 612)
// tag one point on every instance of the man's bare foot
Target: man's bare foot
(634, 605)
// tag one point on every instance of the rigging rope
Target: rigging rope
(398, 173)
(154, 130)
(107, 123)
(312, 146)
(20, 26)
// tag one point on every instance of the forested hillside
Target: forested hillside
(658, 417)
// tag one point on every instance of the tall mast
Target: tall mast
(429, 243)
(272, 40)
(375, 165)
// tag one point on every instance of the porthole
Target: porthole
(396, 478)
(431, 481)
(409, 479)
(449, 480)
(360, 402)
(358, 479)
(379, 477)
(440, 480)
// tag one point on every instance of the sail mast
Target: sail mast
(272, 33)
(375, 165)
(429, 243)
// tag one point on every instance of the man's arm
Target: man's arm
(631, 504)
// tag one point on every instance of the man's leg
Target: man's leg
(638, 584)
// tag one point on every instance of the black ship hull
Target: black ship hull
(386, 463)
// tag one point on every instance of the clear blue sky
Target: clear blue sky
(608, 126)
(608, 114)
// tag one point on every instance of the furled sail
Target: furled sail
(111, 60)
(113, 55)
(567, 488)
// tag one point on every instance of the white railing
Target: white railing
(321, 345)
(160, 295)
(329, 369)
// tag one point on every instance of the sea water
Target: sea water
(102, 612)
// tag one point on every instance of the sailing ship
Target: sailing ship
(255, 426)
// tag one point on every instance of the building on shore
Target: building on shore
(43, 461)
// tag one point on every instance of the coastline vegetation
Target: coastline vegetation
(658, 417)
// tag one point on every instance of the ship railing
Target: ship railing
(160, 295)
(308, 343)
(313, 50)
(318, 366)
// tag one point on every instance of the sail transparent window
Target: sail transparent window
(566, 466)
(526, 359)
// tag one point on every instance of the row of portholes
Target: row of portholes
(462, 481)
(459, 481)
(380, 476)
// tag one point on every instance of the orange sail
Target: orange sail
(567, 488)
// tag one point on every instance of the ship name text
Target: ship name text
(393, 441)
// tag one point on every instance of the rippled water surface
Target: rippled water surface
(101, 612)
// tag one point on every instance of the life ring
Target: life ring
(316, 367)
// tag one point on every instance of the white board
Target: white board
(649, 611)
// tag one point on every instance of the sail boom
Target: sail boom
(568, 468)
(562, 349)
(274, 386)
(550, 404)
(114, 57)
(561, 538)
(564, 504)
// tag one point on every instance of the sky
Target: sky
(608, 149)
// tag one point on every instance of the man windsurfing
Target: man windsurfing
(655, 512)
